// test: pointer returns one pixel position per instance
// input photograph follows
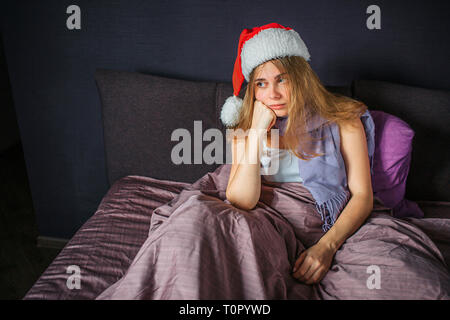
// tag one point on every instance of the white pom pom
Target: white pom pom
(230, 111)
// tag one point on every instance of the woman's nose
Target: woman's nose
(274, 92)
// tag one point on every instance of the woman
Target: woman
(287, 89)
(230, 236)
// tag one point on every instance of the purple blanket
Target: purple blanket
(407, 251)
(199, 246)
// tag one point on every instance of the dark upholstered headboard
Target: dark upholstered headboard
(141, 111)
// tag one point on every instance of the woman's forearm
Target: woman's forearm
(355, 213)
(245, 187)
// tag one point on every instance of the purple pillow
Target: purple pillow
(391, 161)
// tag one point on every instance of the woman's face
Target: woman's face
(272, 88)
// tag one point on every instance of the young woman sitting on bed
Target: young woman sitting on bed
(284, 92)
(269, 241)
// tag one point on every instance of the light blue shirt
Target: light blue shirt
(288, 170)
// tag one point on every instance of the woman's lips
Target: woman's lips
(277, 106)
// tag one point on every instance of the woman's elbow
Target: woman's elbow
(240, 202)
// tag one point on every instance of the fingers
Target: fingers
(301, 267)
(304, 269)
(309, 274)
(308, 271)
(272, 123)
(315, 277)
(299, 261)
(274, 117)
(263, 116)
(311, 271)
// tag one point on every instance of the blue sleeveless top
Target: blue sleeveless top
(287, 169)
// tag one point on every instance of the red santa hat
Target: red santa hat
(256, 46)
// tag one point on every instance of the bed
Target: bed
(141, 110)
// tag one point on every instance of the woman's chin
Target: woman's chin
(281, 113)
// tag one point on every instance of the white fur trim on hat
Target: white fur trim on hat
(230, 111)
(269, 44)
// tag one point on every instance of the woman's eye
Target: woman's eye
(258, 83)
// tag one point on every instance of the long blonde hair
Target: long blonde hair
(308, 97)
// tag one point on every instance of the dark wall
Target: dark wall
(9, 130)
(51, 69)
